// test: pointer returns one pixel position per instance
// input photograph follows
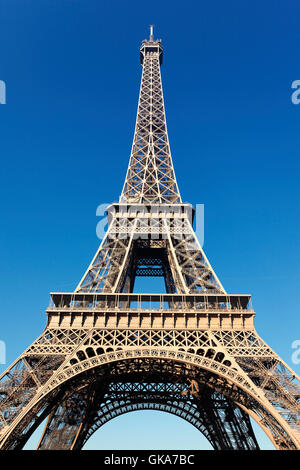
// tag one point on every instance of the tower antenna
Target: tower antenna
(151, 33)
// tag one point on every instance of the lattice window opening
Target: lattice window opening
(214, 355)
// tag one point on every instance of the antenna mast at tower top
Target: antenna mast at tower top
(151, 33)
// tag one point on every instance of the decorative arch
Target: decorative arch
(219, 376)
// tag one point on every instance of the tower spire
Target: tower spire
(150, 176)
(151, 39)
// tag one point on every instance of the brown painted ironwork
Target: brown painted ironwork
(192, 351)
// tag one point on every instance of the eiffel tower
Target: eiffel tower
(192, 351)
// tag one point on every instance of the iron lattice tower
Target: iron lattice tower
(192, 351)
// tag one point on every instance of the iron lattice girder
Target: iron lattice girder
(204, 346)
(102, 340)
(177, 398)
(208, 412)
(150, 176)
(165, 227)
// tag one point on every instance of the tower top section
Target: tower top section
(150, 46)
(150, 177)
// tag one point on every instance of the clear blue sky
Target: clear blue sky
(72, 73)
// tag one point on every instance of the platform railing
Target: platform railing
(64, 301)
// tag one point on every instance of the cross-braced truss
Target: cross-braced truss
(189, 270)
(150, 177)
(206, 409)
(193, 351)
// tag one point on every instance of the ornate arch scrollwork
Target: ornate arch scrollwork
(217, 376)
